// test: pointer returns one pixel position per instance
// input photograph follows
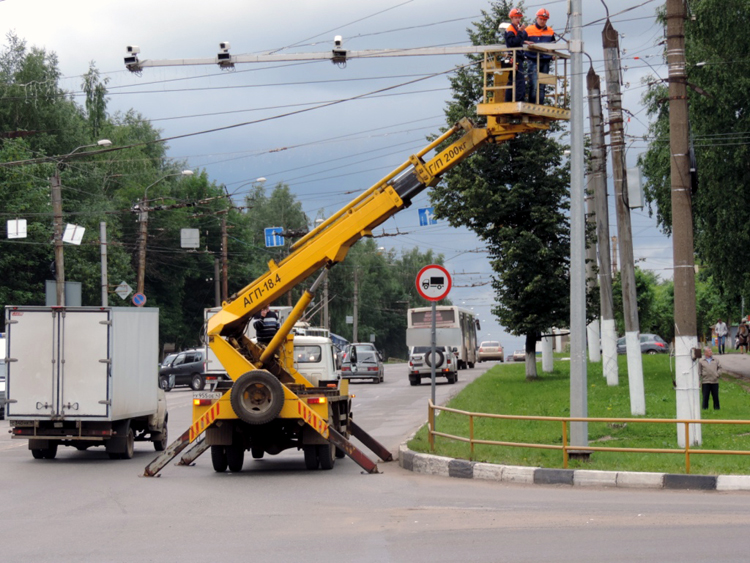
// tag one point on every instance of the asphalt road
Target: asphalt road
(83, 506)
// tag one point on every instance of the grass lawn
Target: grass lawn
(504, 390)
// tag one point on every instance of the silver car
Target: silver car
(363, 364)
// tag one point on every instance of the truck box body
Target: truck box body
(81, 363)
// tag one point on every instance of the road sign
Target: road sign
(139, 299)
(434, 282)
(427, 216)
(273, 236)
(123, 290)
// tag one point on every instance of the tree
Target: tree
(514, 196)
(719, 121)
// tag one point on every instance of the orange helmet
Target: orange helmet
(544, 14)
(515, 13)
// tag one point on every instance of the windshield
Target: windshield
(307, 354)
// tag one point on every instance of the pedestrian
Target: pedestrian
(536, 63)
(266, 324)
(742, 336)
(516, 37)
(721, 335)
(709, 370)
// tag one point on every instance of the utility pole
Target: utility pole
(103, 254)
(611, 43)
(224, 264)
(58, 233)
(143, 236)
(355, 313)
(614, 256)
(686, 376)
(326, 319)
(598, 179)
(578, 376)
(217, 283)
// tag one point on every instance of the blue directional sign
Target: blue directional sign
(427, 216)
(273, 236)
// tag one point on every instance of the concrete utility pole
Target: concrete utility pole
(598, 181)
(57, 212)
(224, 260)
(578, 377)
(611, 43)
(326, 319)
(685, 324)
(103, 255)
(614, 256)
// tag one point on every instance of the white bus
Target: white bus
(454, 327)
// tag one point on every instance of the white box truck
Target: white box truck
(84, 376)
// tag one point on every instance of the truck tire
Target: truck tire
(45, 453)
(219, 458)
(161, 439)
(326, 455)
(129, 445)
(257, 397)
(311, 456)
(235, 458)
(197, 382)
(38, 453)
(257, 452)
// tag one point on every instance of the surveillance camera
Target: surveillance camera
(224, 46)
(337, 41)
(134, 49)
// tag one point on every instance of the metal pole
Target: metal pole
(433, 339)
(611, 43)
(578, 376)
(686, 375)
(598, 177)
(58, 233)
(143, 218)
(355, 312)
(326, 320)
(103, 253)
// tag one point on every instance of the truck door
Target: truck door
(84, 381)
(32, 364)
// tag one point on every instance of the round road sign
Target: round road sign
(434, 282)
(139, 299)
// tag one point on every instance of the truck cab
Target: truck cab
(315, 358)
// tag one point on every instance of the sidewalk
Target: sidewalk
(737, 364)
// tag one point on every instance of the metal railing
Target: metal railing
(566, 448)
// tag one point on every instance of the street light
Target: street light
(143, 218)
(57, 213)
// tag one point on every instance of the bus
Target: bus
(454, 327)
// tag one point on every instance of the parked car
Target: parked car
(420, 364)
(166, 381)
(188, 368)
(519, 356)
(362, 363)
(650, 344)
(490, 350)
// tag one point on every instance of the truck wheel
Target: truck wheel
(197, 382)
(471, 365)
(311, 456)
(326, 455)
(257, 453)
(161, 439)
(51, 451)
(340, 454)
(38, 453)
(129, 445)
(219, 458)
(257, 397)
(235, 458)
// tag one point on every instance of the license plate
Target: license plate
(207, 395)
(417, 363)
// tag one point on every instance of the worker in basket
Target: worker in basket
(538, 32)
(515, 36)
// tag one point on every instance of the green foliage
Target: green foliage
(514, 196)
(503, 390)
(719, 119)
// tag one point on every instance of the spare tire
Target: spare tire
(257, 397)
(438, 354)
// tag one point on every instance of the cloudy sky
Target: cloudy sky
(325, 155)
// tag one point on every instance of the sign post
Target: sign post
(433, 283)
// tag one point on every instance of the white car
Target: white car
(420, 364)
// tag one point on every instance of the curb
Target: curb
(463, 469)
